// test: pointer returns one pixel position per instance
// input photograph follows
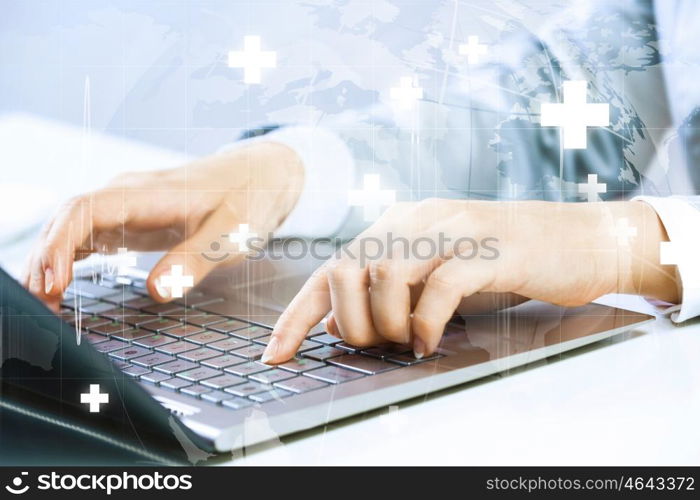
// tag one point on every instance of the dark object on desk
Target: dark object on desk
(44, 372)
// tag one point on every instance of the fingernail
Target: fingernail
(162, 291)
(35, 284)
(418, 348)
(48, 281)
(270, 351)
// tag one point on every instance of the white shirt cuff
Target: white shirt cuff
(682, 222)
(329, 170)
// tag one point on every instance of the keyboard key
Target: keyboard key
(110, 345)
(271, 376)
(139, 302)
(316, 330)
(96, 308)
(237, 403)
(120, 365)
(161, 309)
(196, 299)
(387, 350)
(94, 338)
(76, 303)
(250, 353)
(177, 347)
(273, 395)
(194, 317)
(136, 371)
(308, 345)
(195, 390)
(347, 347)
(246, 369)
(179, 365)
(251, 333)
(217, 396)
(151, 360)
(179, 313)
(93, 321)
(89, 289)
(120, 297)
(175, 384)
(200, 354)
(224, 361)
(204, 319)
(229, 344)
(109, 328)
(190, 295)
(223, 381)
(199, 373)
(132, 334)
(247, 389)
(333, 374)
(182, 331)
(155, 377)
(206, 337)
(139, 286)
(139, 319)
(410, 359)
(130, 352)
(116, 313)
(263, 340)
(364, 364)
(156, 340)
(161, 324)
(70, 317)
(228, 326)
(327, 339)
(300, 365)
(323, 353)
(301, 384)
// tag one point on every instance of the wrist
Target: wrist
(273, 175)
(639, 269)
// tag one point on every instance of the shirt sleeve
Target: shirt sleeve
(680, 216)
(328, 171)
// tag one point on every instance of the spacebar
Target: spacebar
(362, 364)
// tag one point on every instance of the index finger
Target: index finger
(305, 311)
(52, 268)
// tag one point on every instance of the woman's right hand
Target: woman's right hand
(183, 210)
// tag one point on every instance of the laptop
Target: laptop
(188, 372)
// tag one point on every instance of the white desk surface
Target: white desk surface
(633, 400)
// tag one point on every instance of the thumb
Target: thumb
(190, 261)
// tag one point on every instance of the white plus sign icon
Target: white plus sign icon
(176, 281)
(406, 94)
(125, 261)
(252, 59)
(94, 398)
(592, 188)
(574, 115)
(371, 198)
(624, 231)
(473, 49)
(242, 237)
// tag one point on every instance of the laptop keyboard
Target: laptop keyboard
(182, 347)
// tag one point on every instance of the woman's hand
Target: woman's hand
(397, 282)
(184, 210)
